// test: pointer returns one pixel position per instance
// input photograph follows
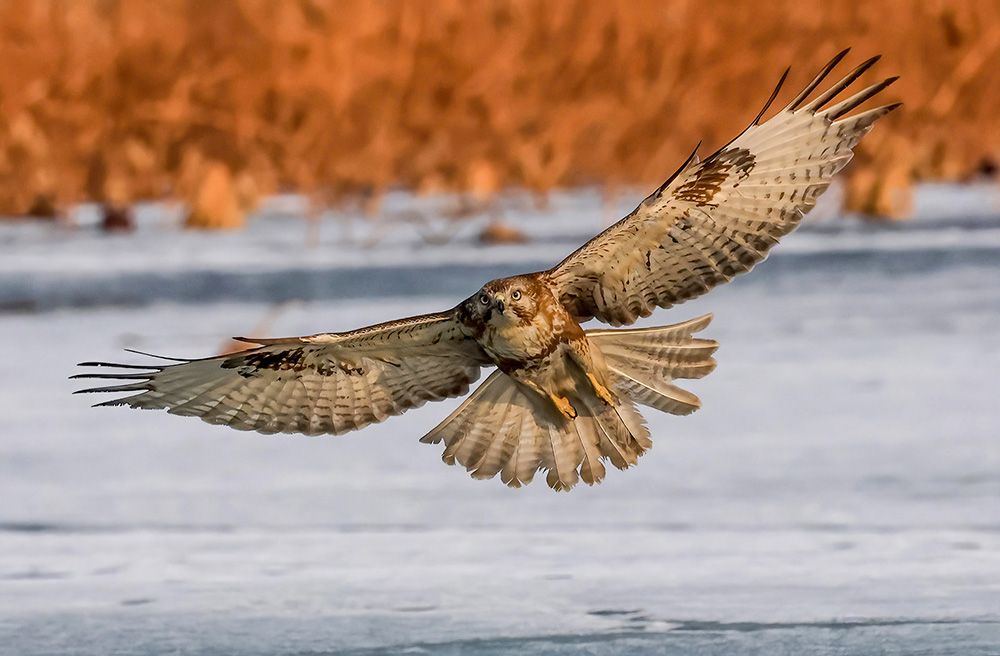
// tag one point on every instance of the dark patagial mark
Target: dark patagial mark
(293, 359)
(249, 365)
(713, 174)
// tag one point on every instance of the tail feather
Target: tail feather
(644, 362)
(460, 423)
(566, 453)
(500, 450)
(633, 425)
(621, 454)
(656, 393)
(591, 469)
(503, 429)
(496, 455)
(691, 360)
(524, 462)
(478, 437)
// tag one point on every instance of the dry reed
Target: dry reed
(216, 102)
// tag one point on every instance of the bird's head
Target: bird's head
(506, 301)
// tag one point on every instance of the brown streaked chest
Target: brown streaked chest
(525, 342)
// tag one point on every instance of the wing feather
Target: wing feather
(717, 218)
(325, 383)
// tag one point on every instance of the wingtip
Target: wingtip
(871, 61)
(839, 57)
(110, 404)
(693, 157)
(96, 363)
(863, 67)
(90, 390)
(153, 355)
(774, 95)
(796, 102)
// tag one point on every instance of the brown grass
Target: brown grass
(119, 100)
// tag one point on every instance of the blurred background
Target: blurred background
(174, 172)
(218, 104)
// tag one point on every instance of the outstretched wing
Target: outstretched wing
(717, 218)
(326, 383)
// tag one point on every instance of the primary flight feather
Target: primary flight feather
(562, 399)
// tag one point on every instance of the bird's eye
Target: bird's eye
(516, 294)
(484, 299)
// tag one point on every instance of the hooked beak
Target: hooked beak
(500, 304)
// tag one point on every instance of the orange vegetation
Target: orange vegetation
(218, 101)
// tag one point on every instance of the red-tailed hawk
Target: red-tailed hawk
(561, 399)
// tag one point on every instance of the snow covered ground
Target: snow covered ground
(839, 492)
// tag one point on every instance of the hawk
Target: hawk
(561, 399)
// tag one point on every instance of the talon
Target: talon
(602, 392)
(564, 406)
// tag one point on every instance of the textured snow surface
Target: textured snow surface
(838, 493)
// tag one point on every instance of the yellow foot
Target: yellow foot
(563, 404)
(603, 393)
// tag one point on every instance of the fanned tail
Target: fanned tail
(644, 362)
(505, 429)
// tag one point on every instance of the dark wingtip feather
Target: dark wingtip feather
(92, 376)
(774, 94)
(831, 93)
(120, 366)
(129, 387)
(756, 121)
(111, 403)
(270, 341)
(799, 99)
(267, 341)
(90, 390)
(161, 357)
(842, 108)
(687, 162)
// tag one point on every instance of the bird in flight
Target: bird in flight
(561, 399)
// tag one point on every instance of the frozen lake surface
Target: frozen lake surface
(411, 249)
(838, 493)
